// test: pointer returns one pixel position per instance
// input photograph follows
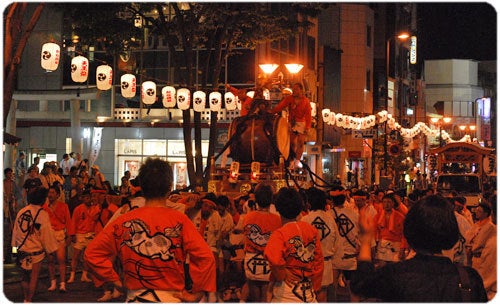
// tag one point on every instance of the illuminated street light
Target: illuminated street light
(268, 68)
(294, 68)
(441, 121)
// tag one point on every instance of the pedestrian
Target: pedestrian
(10, 197)
(98, 177)
(152, 243)
(20, 168)
(83, 220)
(429, 227)
(33, 237)
(483, 232)
(60, 220)
(32, 181)
(66, 164)
(324, 222)
(347, 224)
(299, 118)
(391, 245)
(294, 253)
(258, 226)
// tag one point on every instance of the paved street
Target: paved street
(77, 292)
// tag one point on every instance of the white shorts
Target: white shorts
(285, 292)
(60, 237)
(83, 240)
(327, 273)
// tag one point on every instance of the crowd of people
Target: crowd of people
(147, 243)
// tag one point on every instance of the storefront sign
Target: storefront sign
(354, 154)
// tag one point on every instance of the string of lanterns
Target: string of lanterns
(171, 97)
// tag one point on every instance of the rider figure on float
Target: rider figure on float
(299, 118)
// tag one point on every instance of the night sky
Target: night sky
(460, 30)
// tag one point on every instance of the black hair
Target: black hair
(55, 188)
(37, 196)
(338, 200)
(263, 195)
(288, 202)
(392, 198)
(316, 198)
(486, 207)
(431, 225)
(155, 177)
(223, 201)
(361, 193)
(7, 170)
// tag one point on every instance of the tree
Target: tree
(216, 28)
(19, 21)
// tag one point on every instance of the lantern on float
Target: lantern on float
(183, 99)
(79, 69)
(199, 101)
(148, 92)
(230, 101)
(128, 84)
(168, 97)
(325, 113)
(51, 54)
(314, 109)
(104, 77)
(215, 99)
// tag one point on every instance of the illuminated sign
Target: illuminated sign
(413, 50)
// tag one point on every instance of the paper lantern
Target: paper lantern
(325, 113)
(238, 103)
(332, 119)
(339, 120)
(128, 85)
(79, 69)
(199, 101)
(168, 97)
(183, 99)
(215, 101)
(51, 55)
(104, 77)
(230, 101)
(251, 94)
(148, 92)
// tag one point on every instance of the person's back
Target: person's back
(152, 243)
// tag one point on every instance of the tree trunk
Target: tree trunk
(13, 25)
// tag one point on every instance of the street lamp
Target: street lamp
(471, 128)
(293, 68)
(440, 121)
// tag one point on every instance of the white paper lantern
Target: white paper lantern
(215, 101)
(79, 69)
(339, 120)
(332, 119)
(251, 94)
(104, 77)
(199, 101)
(183, 99)
(128, 84)
(230, 100)
(51, 55)
(325, 113)
(238, 103)
(168, 97)
(148, 92)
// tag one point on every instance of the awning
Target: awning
(10, 139)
